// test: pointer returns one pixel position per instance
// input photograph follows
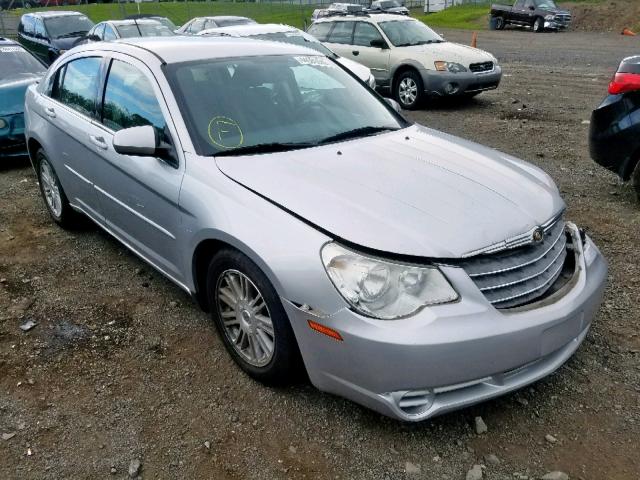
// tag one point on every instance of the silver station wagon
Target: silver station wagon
(408, 270)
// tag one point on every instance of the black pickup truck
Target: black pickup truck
(539, 15)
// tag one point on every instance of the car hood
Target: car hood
(448, 52)
(556, 11)
(359, 70)
(414, 192)
(396, 9)
(66, 43)
(12, 91)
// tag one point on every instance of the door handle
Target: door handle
(98, 142)
(50, 112)
(355, 53)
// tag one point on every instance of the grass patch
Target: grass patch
(471, 17)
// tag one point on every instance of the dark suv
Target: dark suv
(49, 34)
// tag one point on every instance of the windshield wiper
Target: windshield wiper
(355, 133)
(263, 148)
(73, 34)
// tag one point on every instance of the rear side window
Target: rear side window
(196, 26)
(129, 100)
(320, 30)
(342, 33)
(78, 84)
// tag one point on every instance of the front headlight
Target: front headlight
(3, 124)
(372, 81)
(452, 67)
(383, 289)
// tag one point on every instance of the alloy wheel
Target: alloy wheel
(408, 91)
(245, 317)
(50, 188)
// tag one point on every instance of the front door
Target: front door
(376, 58)
(138, 195)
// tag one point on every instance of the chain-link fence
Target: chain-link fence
(292, 12)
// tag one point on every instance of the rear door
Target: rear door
(518, 13)
(376, 58)
(70, 108)
(139, 195)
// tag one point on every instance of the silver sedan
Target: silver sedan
(403, 268)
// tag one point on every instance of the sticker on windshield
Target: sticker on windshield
(315, 61)
(10, 49)
(225, 132)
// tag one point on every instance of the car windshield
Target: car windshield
(389, 4)
(68, 26)
(231, 22)
(15, 61)
(274, 103)
(546, 4)
(405, 33)
(296, 38)
(155, 29)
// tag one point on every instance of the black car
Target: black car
(539, 15)
(49, 34)
(388, 6)
(614, 135)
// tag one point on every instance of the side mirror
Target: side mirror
(378, 43)
(395, 105)
(532, 8)
(94, 38)
(141, 141)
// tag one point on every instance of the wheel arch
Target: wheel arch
(33, 146)
(401, 68)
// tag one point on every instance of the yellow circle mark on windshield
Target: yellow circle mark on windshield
(225, 132)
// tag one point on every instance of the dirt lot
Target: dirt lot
(122, 365)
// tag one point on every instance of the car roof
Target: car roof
(223, 17)
(251, 29)
(191, 48)
(5, 42)
(50, 14)
(139, 21)
(375, 18)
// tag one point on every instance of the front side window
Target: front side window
(109, 34)
(78, 84)
(320, 30)
(406, 33)
(290, 101)
(39, 30)
(28, 25)
(364, 33)
(341, 33)
(99, 31)
(68, 26)
(196, 26)
(130, 101)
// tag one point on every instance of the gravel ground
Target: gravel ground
(123, 366)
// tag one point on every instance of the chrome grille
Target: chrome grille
(562, 19)
(481, 67)
(514, 277)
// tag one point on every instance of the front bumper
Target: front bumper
(446, 84)
(450, 356)
(12, 140)
(555, 25)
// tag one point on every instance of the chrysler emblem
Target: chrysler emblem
(538, 235)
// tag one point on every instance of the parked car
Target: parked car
(49, 34)
(388, 6)
(287, 34)
(539, 15)
(115, 29)
(12, 4)
(163, 20)
(408, 59)
(403, 268)
(338, 9)
(614, 131)
(198, 24)
(18, 70)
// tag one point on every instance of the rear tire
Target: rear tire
(635, 180)
(53, 195)
(409, 90)
(538, 25)
(500, 24)
(251, 320)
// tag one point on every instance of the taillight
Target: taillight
(624, 82)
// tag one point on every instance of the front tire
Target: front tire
(409, 90)
(53, 195)
(251, 320)
(538, 25)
